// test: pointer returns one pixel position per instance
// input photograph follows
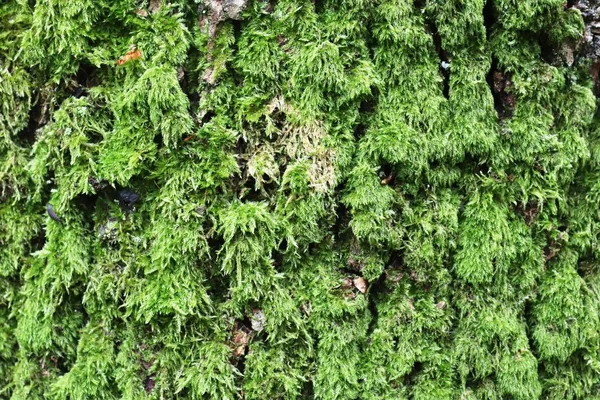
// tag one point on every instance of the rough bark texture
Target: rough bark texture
(332, 199)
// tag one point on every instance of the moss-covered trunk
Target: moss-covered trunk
(331, 199)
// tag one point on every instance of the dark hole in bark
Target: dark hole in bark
(490, 80)
(500, 83)
(319, 6)
(444, 65)
(489, 17)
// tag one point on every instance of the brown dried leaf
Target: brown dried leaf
(387, 180)
(361, 284)
(240, 340)
(347, 283)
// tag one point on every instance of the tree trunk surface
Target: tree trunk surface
(296, 199)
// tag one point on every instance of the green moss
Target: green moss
(337, 200)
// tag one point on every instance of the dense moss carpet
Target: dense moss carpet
(329, 199)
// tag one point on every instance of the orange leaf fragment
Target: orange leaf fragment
(133, 54)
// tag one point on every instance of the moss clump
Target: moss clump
(298, 199)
